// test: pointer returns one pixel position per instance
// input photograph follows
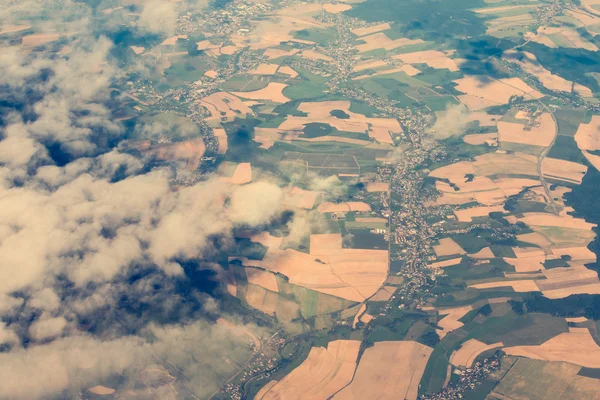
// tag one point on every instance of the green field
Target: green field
(540, 380)
(417, 19)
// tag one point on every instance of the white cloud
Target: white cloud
(159, 16)
(451, 122)
(47, 327)
(7, 335)
(46, 299)
(40, 370)
(256, 203)
(70, 234)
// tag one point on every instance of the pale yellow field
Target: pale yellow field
(486, 252)
(517, 286)
(592, 159)
(388, 370)
(581, 253)
(268, 136)
(490, 10)
(584, 18)
(350, 312)
(573, 329)
(381, 41)
(264, 238)
(101, 390)
(445, 263)
(475, 103)
(13, 28)
(407, 69)
(138, 49)
(228, 50)
(493, 91)
(381, 135)
(287, 70)
(366, 318)
(369, 219)
(261, 393)
(451, 320)
(261, 299)
(378, 128)
(272, 92)
(481, 138)
(447, 247)
(383, 294)
(574, 347)
(173, 40)
(481, 188)
(369, 64)
(563, 170)
(230, 282)
(264, 69)
(588, 135)
(65, 50)
(39, 39)
(378, 187)
(300, 198)
(578, 42)
(241, 175)
(559, 282)
(561, 221)
(276, 53)
(524, 275)
(467, 353)
(433, 58)
(395, 280)
(527, 264)
(576, 319)
(325, 244)
(343, 207)
(279, 28)
(535, 238)
(304, 11)
(512, 186)
(224, 105)
(351, 274)
(563, 282)
(323, 373)
(484, 118)
(336, 8)
(467, 214)
(545, 40)
(541, 134)
(262, 278)
(108, 11)
(499, 26)
(371, 29)
(175, 54)
(313, 55)
(527, 252)
(360, 312)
